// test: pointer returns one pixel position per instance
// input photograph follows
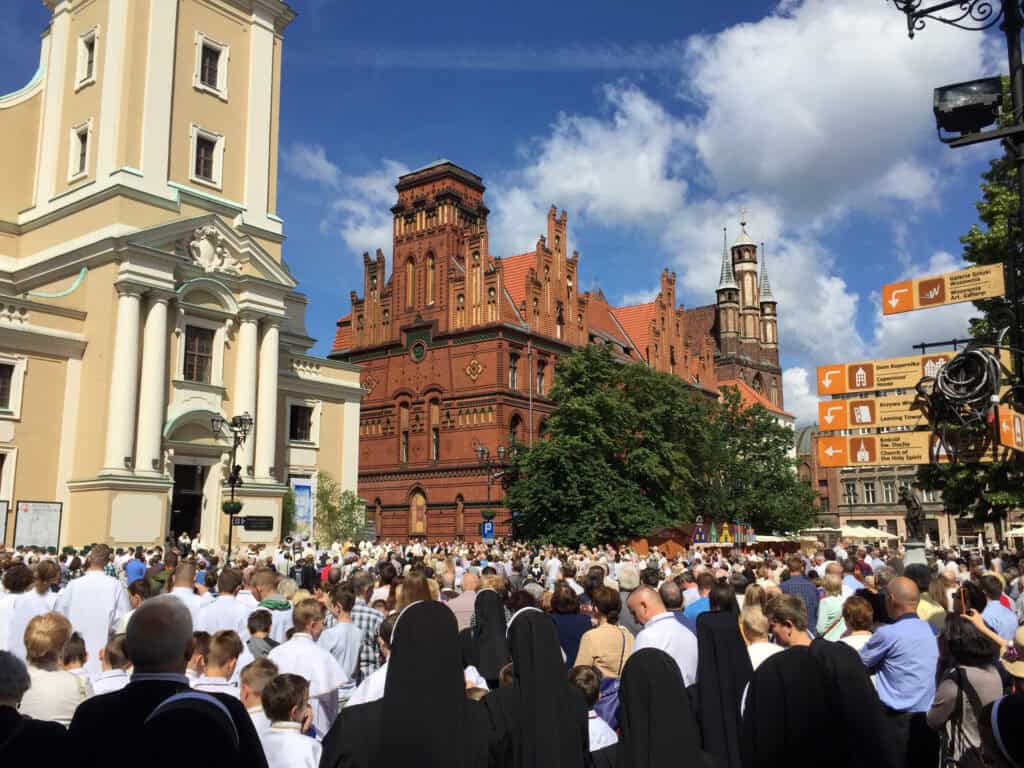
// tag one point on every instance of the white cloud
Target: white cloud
(639, 297)
(310, 162)
(359, 207)
(824, 104)
(801, 396)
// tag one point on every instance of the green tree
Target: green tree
(287, 514)
(629, 450)
(986, 491)
(340, 515)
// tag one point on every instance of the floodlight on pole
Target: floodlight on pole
(967, 107)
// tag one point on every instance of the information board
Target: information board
(888, 449)
(876, 375)
(870, 412)
(969, 284)
(37, 523)
(1011, 428)
(302, 523)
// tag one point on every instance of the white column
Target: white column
(53, 97)
(156, 109)
(124, 381)
(244, 394)
(111, 104)
(152, 387)
(266, 405)
(261, 107)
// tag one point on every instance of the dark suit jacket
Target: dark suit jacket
(24, 741)
(112, 724)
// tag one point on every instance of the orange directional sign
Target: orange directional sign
(951, 288)
(876, 375)
(1011, 428)
(868, 412)
(887, 449)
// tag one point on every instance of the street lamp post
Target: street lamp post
(490, 463)
(239, 428)
(980, 15)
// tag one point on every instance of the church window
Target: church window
(207, 156)
(513, 371)
(403, 425)
(211, 72)
(515, 426)
(86, 65)
(208, 65)
(300, 423)
(410, 282)
(198, 354)
(430, 279)
(559, 320)
(6, 378)
(541, 370)
(435, 430)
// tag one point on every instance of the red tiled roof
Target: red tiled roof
(601, 318)
(513, 274)
(636, 320)
(343, 336)
(751, 397)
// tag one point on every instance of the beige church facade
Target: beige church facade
(143, 291)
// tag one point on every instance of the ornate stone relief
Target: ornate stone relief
(208, 251)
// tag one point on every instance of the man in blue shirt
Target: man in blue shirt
(135, 568)
(800, 586)
(903, 657)
(997, 616)
(703, 603)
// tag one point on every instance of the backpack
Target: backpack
(953, 739)
(607, 706)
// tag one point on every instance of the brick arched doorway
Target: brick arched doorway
(417, 513)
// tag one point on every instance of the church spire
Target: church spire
(727, 280)
(764, 288)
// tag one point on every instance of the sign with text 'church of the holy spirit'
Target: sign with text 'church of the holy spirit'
(878, 375)
(886, 449)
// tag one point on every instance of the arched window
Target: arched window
(430, 279)
(515, 428)
(410, 282)
(435, 430)
(403, 438)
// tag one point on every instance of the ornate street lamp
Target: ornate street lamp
(494, 466)
(239, 428)
(967, 108)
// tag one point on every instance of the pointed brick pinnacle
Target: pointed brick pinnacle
(727, 279)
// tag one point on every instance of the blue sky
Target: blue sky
(653, 125)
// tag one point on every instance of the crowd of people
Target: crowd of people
(510, 655)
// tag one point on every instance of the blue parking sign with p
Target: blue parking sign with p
(487, 531)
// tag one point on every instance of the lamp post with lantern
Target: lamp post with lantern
(239, 428)
(968, 108)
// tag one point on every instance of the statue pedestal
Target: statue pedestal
(914, 553)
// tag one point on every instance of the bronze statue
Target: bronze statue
(914, 515)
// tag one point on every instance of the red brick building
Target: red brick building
(459, 347)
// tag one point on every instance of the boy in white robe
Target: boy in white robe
(254, 679)
(115, 662)
(302, 656)
(221, 660)
(225, 612)
(286, 702)
(93, 603)
(264, 585)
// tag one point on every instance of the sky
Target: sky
(654, 125)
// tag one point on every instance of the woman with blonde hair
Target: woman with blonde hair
(55, 693)
(831, 625)
(755, 595)
(413, 589)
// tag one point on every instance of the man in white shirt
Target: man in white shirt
(662, 630)
(184, 589)
(302, 656)
(226, 612)
(221, 661)
(93, 603)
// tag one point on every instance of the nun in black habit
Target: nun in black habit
(424, 718)
(657, 725)
(540, 721)
(723, 671)
(489, 643)
(788, 712)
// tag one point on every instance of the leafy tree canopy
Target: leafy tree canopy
(340, 515)
(628, 450)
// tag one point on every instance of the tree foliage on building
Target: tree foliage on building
(986, 491)
(340, 515)
(629, 450)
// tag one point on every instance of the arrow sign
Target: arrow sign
(1011, 428)
(884, 449)
(870, 412)
(968, 284)
(872, 376)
